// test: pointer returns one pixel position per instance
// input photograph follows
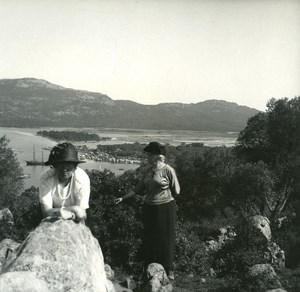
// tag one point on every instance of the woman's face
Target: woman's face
(65, 170)
(152, 158)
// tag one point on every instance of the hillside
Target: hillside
(32, 102)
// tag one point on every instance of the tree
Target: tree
(202, 173)
(249, 187)
(274, 138)
(10, 172)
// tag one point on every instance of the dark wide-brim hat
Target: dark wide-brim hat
(63, 152)
(155, 148)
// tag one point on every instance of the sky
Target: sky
(156, 51)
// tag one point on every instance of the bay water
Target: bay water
(25, 141)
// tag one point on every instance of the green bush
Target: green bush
(190, 250)
(246, 250)
(27, 214)
(118, 228)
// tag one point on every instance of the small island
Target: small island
(77, 136)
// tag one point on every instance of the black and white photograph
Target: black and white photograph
(149, 145)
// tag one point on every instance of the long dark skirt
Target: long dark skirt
(159, 234)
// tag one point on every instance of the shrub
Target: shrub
(190, 251)
(118, 228)
(27, 213)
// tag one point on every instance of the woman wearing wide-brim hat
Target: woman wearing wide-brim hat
(159, 183)
(64, 189)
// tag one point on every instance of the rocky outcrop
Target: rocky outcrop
(273, 254)
(157, 279)
(62, 255)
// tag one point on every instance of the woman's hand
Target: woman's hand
(80, 213)
(118, 200)
(66, 215)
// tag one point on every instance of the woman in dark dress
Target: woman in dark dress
(159, 183)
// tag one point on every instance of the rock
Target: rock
(262, 269)
(63, 254)
(226, 234)
(7, 246)
(212, 245)
(6, 223)
(223, 230)
(22, 282)
(277, 255)
(110, 274)
(6, 216)
(119, 288)
(157, 279)
(129, 283)
(277, 290)
(263, 275)
(212, 273)
(263, 225)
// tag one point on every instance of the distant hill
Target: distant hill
(29, 102)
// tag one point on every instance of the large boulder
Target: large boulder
(273, 254)
(64, 255)
(262, 224)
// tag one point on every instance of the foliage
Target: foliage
(290, 279)
(27, 213)
(274, 138)
(248, 188)
(117, 227)
(260, 175)
(246, 250)
(191, 254)
(253, 142)
(10, 172)
(288, 238)
(203, 174)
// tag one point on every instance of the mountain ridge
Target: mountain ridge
(31, 102)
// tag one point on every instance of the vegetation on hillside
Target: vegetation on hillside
(221, 187)
(32, 102)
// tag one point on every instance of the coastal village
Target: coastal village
(86, 153)
(95, 154)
